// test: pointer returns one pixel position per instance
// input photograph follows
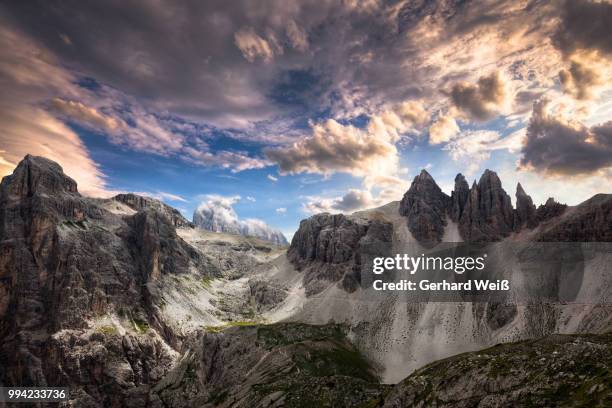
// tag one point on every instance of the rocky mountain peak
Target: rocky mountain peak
(425, 206)
(36, 174)
(488, 213)
(425, 176)
(549, 210)
(459, 197)
(489, 181)
(525, 209)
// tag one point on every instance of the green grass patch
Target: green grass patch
(206, 282)
(106, 329)
(140, 325)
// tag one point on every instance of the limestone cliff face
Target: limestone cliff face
(329, 248)
(425, 206)
(66, 264)
(139, 203)
(484, 212)
(591, 221)
(459, 197)
(525, 210)
(488, 214)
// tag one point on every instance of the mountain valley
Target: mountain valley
(129, 304)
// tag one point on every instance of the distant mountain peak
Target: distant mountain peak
(220, 216)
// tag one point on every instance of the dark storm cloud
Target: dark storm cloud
(218, 61)
(585, 24)
(555, 146)
(213, 60)
(579, 80)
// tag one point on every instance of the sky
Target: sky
(291, 108)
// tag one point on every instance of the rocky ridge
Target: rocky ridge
(329, 248)
(100, 295)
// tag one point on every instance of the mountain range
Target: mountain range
(129, 304)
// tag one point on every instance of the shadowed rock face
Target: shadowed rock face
(484, 212)
(590, 221)
(525, 210)
(459, 197)
(328, 248)
(425, 206)
(549, 210)
(488, 214)
(66, 263)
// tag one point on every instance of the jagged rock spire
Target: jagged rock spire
(459, 197)
(484, 212)
(488, 213)
(425, 206)
(525, 209)
(549, 210)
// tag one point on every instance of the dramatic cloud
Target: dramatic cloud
(216, 213)
(578, 80)
(584, 38)
(585, 24)
(317, 86)
(334, 147)
(472, 148)
(443, 130)
(147, 133)
(253, 46)
(480, 101)
(202, 60)
(353, 200)
(234, 161)
(557, 146)
(85, 115)
(25, 128)
(297, 36)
